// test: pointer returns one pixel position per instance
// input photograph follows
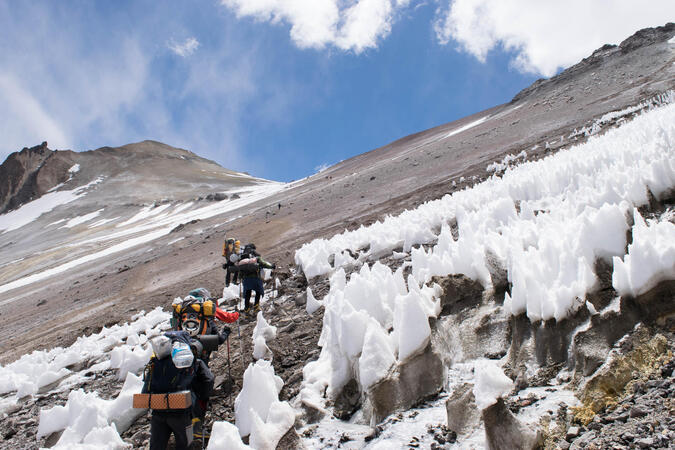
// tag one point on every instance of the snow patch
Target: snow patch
(491, 383)
(257, 409)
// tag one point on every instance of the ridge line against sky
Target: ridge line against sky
(279, 88)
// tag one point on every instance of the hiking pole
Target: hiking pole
(229, 372)
(241, 348)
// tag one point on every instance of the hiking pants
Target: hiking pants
(229, 274)
(163, 424)
(252, 284)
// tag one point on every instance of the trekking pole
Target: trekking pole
(241, 348)
(229, 372)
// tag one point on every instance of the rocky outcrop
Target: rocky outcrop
(416, 379)
(642, 38)
(503, 431)
(28, 174)
(463, 413)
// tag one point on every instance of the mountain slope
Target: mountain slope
(357, 191)
(75, 269)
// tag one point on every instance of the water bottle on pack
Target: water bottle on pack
(181, 355)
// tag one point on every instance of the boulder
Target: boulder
(503, 431)
(348, 401)
(459, 293)
(418, 378)
(463, 414)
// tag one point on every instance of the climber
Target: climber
(250, 270)
(195, 314)
(231, 250)
(174, 368)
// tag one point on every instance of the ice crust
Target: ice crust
(262, 333)
(312, 303)
(546, 222)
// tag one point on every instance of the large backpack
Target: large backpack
(231, 247)
(193, 315)
(248, 266)
(161, 376)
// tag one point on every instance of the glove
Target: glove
(274, 266)
(225, 266)
(224, 334)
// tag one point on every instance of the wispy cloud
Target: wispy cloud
(118, 87)
(26, 121)
(186, 48)
(545, 35)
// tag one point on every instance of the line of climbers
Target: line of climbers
(177, 380)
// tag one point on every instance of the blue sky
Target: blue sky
(279, 88)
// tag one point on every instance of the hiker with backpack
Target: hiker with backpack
(174, 369)
(196, 314)
(250, 270)
(231, 250)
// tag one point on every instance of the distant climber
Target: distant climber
(250, 270)
(231, 251)
(174, 368)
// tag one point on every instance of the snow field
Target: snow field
(145, 226)
(121, 345)
(546, 222)
(31, 211)
(88, 420)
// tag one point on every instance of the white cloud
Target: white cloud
(546, 35)
(25, 120)
(186, 48)
(349, 25)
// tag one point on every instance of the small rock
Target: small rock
(572, 432)
(628, 437)
(563, 445)
(637, 411)
(596, 424)
(645, 442)
(8, 432)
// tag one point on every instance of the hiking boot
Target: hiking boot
(256, 309)
(197, 431)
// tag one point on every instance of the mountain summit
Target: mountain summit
(146, 171)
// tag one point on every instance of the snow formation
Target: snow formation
(257, 409)
(87, 420)
(546, 222)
